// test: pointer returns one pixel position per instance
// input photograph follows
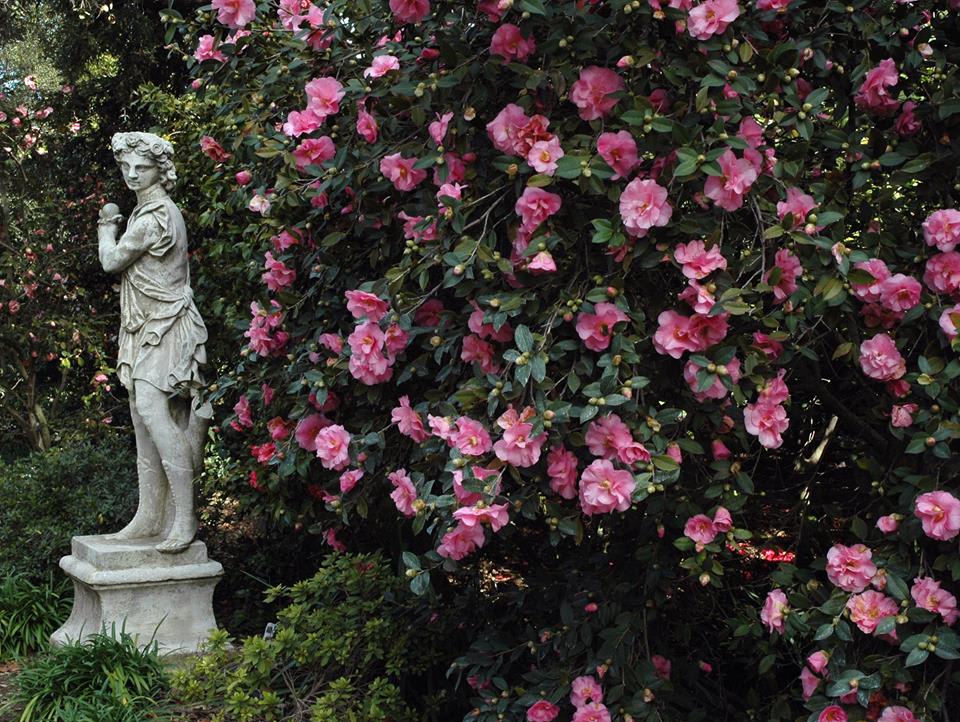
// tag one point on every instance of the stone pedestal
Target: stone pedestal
(163, 597)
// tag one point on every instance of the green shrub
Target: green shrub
(88, 487)
(106, 678)
(341, 644)
(29, 613)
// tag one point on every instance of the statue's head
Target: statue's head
(136, 147)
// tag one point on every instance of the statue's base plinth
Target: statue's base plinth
(167, 598)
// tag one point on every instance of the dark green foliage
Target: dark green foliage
(89, 487)
(342, 642)
(107, 678)
(29, 613)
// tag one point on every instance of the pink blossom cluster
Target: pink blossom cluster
(773, 612)
(850, 568)
(373, 351)
(701, 529)
(266, 336)
(813, 670)
(586, 695)
(888, 296)
(514, 133)
(677, 334)
(874, 95)
(323, 100)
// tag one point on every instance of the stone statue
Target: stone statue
(161, 342)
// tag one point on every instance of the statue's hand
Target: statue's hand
(110, 215)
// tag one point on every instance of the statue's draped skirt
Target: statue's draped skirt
(162, 335)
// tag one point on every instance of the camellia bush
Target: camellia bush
(628, 328)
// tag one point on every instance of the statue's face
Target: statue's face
(139, 172)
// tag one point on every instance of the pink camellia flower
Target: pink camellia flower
(307, 429)
(939, 514)
(486, 330)
(349, 479)
(404, 492)
(711, 17)
(534, 206)
(461, 541)
(607, 435)
(410, 11)
(927, 594)
(542, 711)
(213, 149)
(901, 415)
(400, 171)
(324, 96)
(643, 205)
(234, 13)
(767, 422)
(880, 359)
(408, 421)
(278, 275)
(809, 682)
(518, 447)
(207, 50)
(700, 529)
(699, 262)
(661, 666)
(897, 714)
(798, 204)
(496, 515)
(331, 342)
(591, 92)
(698, 296)
(604, 489)
(585, 689)
(381, 65)
(314, 151)
(596, 329)
(722, 521)
(942, 229)
(818, 661)
(333, 447)
(870, 292)
(243, 177)
(259, 204)
(790, 270)
(619, 151)
(942, 273)
(874, 95)
(368, 364)
(899, 293)
(562, 470)
(832, 713)
(301, 122)
(438, 128)
(542, 262)
(505, 128)
(677, 334)
(471, 438)
(772, 613)
(544, 154)
(242, 410)
(888, 524)
(366, 124)
(719, 450)
(850, 568)
(774, 391)
(591, 712)
(907, 124)
(737, 175)
(869, 607)
(950, 321)
(366, 305)
(395, 338)
(442, 426)
(508, 42)
(476, 350)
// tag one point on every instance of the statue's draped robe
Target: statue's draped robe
(162, 335)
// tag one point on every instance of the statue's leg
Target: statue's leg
(151, 482)
(176, 456)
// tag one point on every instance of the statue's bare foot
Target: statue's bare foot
(180, 537)
(140, 526)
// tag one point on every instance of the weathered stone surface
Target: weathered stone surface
(152, 595)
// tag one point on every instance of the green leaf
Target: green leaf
(534, 7)
(824, 631)
(523, 338)
(766, 663)
(896, 586)
(917, 656)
